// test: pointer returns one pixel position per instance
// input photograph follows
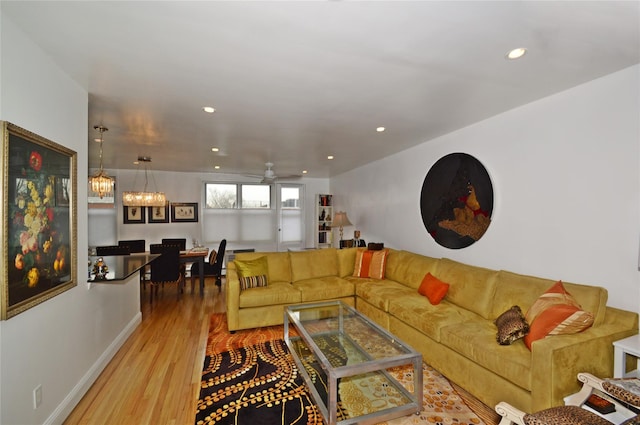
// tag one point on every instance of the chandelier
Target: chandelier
(144, 198)
(100, 182)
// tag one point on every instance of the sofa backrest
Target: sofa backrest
(522, 290)
(409, 268)
(313, 263)
(346, 261)
(278, 263)
(470, 287)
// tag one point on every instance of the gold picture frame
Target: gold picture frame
(39, 191)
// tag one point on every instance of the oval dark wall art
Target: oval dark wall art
(457, 200)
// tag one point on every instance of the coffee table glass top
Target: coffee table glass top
(345, 360)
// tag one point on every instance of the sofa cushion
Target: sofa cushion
(417, 312)
(313, 263)
(346, 259)
(523, 290)
(511, 325)
(433, 288)
(370, 263)
(470, 287)
(275, 293)
(379, 293)
(556, 312)
(324, 288)
(278, 263)
(408, 268)
(476, 341)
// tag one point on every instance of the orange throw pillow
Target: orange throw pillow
(370, 263)
(433, 288)
(556, 312)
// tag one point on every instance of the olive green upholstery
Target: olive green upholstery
(457, 336)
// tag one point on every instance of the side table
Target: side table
(622, 348)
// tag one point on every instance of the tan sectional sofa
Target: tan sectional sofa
(457, 336)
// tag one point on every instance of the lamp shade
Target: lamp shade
(340, 219)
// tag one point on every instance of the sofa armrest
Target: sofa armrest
(232, 297)
(557, 360)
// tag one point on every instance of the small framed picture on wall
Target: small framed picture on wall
(186, 212)
(133, 215)
(158, 214)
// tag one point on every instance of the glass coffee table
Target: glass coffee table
(345, 359)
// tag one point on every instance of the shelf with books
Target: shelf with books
(324, 215)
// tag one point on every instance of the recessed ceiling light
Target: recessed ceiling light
(304, 171)
(208, 109)
(330, 157)
(217, 167)
(215, 149)
(516, 53)
(380, 129)
(135, 163)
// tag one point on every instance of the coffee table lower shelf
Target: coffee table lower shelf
(345, 359)
(324, 389)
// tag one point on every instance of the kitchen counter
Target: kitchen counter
(120, 267)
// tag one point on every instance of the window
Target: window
(290, 198)
(252, 213)
(256, 196)
(238, 212)
(218, 195)
(225, 195)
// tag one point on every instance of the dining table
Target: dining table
(194, 255)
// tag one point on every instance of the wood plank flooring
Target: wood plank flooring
(155, 377)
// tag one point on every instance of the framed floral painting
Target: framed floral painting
(39, 212)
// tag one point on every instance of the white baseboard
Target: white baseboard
(73, 398)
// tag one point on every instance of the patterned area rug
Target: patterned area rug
(250, 377)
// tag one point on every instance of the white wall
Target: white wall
(63, 343)
(566, 179)
(179, 187)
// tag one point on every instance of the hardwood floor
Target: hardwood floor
(155, 377)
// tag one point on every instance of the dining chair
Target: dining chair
(166, 268)
(138, 245)
(135, 245)
(211, 269)
(182, 242)
(112, 250)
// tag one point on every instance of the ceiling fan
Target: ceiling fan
(270, 176)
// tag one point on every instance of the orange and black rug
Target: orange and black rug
(250, 377)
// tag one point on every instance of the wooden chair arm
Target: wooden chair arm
(510, 415)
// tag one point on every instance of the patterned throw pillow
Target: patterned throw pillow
(370, 263)
(252, 273)
(563, 415)
(252, 282)
(433, 288)
(511, 326)
(556, 312)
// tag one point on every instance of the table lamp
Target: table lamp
(340, 220)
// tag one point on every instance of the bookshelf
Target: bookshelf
(324, 215)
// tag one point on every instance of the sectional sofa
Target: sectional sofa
(456, 336)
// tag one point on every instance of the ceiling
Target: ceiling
(294, 82)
